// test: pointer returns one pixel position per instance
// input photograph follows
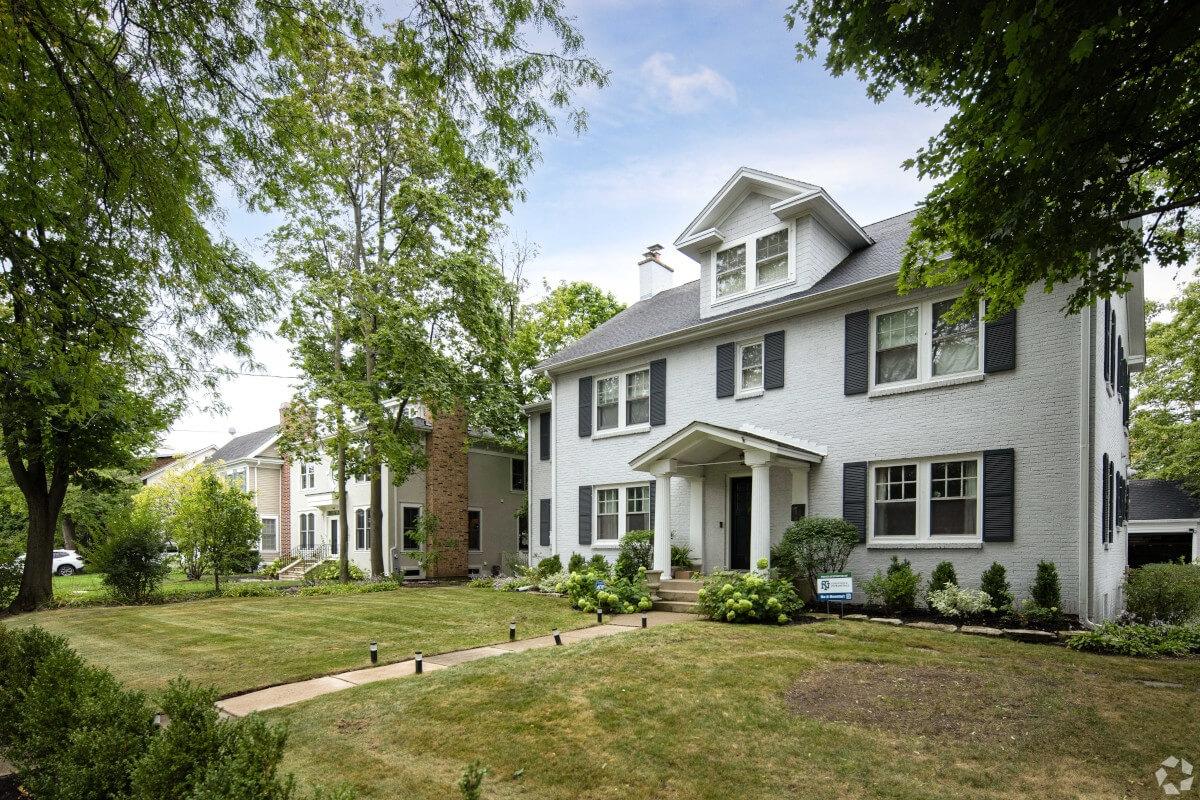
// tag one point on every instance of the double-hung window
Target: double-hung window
(308, 475)
(608, 515)
(308, 530)
(410, 520)
(620, 509)
(750, 367)
(928, 499)
(236, 477)
(637, 508)
(920, 343)
(268, 537)
(768, 254)
(623, 400)
(362, 528)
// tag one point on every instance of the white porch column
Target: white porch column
(662, 516)
(760, 506)
(696, 517)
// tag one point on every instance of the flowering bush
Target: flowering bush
(552, 582)
(958, 603)
(593, 589)
(748, 597)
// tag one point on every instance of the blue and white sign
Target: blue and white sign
(601, 586)
(836, 586)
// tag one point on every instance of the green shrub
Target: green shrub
(958, 603)
(811, 547)
(1033, 615)
(995, 583)
(598, 563)
(1045, 590)
(1167, 593)
(1138, 640)
(10, 568)
(618, 595)
(273, 569)
(748, 597)
(362, 587)
(481, 583)
(636, 553)
(245, 562)
(942, 576)
(470, 783)
(576, 563)
(896, 590)
(332, 571)
(681, 557)
(130, 558)
(552, 583)
(244, 589)
(549, 565)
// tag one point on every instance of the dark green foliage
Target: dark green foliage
(681, 557)
(618, 595)
(1138, 640)
(131, 558)
(811, 547)
(549, 566)
(942, 575)
(636, 553)
(331, 571)
(471, 782)
(576, 562)
(748, 597)
(1045, 590)
(598, 563)
(896, 590)
(995, 583)
(1167, 593)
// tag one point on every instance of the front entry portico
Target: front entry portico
(700, 449)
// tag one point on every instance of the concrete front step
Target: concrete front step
(676, 606)
(678, 594)
(673, 584)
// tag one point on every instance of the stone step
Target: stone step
(673, 584)
(678, 594)
(676, 606)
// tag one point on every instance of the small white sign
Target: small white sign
(838, 586)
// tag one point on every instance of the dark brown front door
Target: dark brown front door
(739, 523)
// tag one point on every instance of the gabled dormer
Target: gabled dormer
(763, 237)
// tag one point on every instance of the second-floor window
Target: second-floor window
(767, 254)
(236, 477)
(919, 343)
(518, 475)
(308, 475)
(750, 367)
(623, 400)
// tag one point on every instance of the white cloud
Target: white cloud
(682, 91)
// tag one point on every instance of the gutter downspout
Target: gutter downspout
(554, 510)
(1086, 399)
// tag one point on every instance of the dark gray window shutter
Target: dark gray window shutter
(773, 360)
(652, 494)
(585, 515)
(544, 436)
(854, 496)
(1104, 504)
(544, 522)
(1112, 495)
(998, 479)
(1123, 381)
(725, 370)
(858, 334)
(1112, 347)
(1107, 341)
(658, 392)
(1000, 343)
(585, 406)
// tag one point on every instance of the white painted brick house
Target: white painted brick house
(792, 379)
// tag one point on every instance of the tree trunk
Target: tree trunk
(68, 532)
(216, 578)
(37, 588)
(376, 518)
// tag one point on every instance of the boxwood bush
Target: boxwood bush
(1164, 593)
(748, 597)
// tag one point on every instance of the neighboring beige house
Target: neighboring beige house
(252, 461)
(166, 464)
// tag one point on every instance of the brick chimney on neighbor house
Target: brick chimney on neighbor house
(653, 274)
(285, 497)
(446, 493)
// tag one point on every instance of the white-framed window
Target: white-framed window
(308, 475)
(620, 509)
(914, 343)
(755, 262)
(750, 367)
(927, 499)
(362, 528)
(268, 537)
(623, 400)
(410, 519)
(239, 477)
(308, 530)
(518, 475)
(474, 530)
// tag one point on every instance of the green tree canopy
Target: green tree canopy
(1070, 122)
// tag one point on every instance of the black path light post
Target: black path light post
(643, 619)
(557, 637)
(512, 631)
(374, 653)
(420, 664)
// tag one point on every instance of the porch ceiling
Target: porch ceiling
(699, 443)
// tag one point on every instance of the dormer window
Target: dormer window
(769, 253)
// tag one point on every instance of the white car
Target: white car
(67, 562)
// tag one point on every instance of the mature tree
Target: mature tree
(1071, 121)
(1164, 437)
(218, 522)
(119, 119)
(416, 140)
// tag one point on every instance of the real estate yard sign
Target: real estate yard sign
(835, 586)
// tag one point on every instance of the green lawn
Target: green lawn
(237, 644)
(701, 710)
(90, 586)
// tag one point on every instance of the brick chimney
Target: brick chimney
(654, 275)
(285, 496)
(446, 493)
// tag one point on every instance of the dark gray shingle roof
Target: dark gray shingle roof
(242, 446)
(678, 308)
(1153, 498)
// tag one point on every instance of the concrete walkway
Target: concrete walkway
(290, 693)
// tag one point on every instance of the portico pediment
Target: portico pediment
(702, 443)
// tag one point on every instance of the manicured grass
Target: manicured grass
(702, 710)
(90, 586)
(237, 644)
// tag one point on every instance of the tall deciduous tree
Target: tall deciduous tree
(1070, 121)
(1164, 436)
(119, 117)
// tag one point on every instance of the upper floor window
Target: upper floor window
(750, 366)
(518, 474)
(236, 477)
(623, 400)
(919, 343)
(927, 499)
(769, 255)
(308, 475)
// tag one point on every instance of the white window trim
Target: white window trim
(925, 378)
(334, 542)
(262, 518)
(308, 475)
(511, 465)
(622, 513)
(757, 391)
(245, 470)
(752, 285)
(299, 530)
(480, 512)
(924, 497)
(367, 520)
(420, 511)
(622, 389)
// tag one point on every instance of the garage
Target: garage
(1163, 523)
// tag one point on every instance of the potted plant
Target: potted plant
(681, 563)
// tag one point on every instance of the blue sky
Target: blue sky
(697, 89)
